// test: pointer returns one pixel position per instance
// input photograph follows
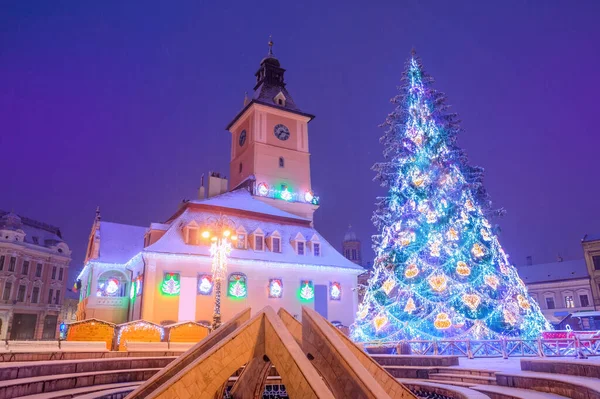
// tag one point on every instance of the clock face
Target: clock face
(281, 132)
(242, 137)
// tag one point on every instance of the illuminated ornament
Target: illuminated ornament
(422, 207)
(485, 235)
(463, 217)
(410, 306)
(462, 268)
(411, 271)
(434, 248)
(459, 321)
(452, 234)
(335, 291)
(205, 285)
(438, 282)
(275, 288)
(237, 289)
(388, 285)
(138, 285)
(431, 217)
(308, 196)
(471, 300)
(504, 269)
(112, 286)
(307, 292)
(523, 303)
(170, 284)
(442, 321)
(492, 281)
(132, 291)
(418, 179)
(446, 180)
(406, 238)
(362, 313)
(509, 317)
(263, 189)
(286, 195)
(477, 250)
(469, 206)
(380, 321)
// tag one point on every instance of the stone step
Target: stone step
(577, 367)
(560, 384)
(417, 361)
(464, 378)
(14, 370)
(109, 393)
(34, 385)
(467, 371)
(76, 392)
(452, 391)
(410, 371)
(498, 392)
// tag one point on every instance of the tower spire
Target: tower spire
(270, 45)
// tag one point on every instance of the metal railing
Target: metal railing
(504, 348)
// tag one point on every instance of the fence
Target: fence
(504, 348)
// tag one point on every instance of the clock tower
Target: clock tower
(269, 146)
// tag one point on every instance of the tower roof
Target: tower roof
(350, 235)
(270, 87)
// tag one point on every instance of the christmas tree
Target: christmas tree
(307, 292)
(439, 270)
(171, 285)
(237, 289)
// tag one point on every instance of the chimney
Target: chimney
(529, 260)
(201, 191)
(559, 258)
(217, 185)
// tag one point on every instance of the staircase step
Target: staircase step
(566, 385)
(466, 378)
(498, 392)
(466, 371)
(450, 390)
(75, 392)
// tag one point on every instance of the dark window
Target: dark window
(38, 270)
(193, 236)
(280, 101)
(240, 167)
(258, 243)
(57, 298)
(276, 244)
(35, 239)
(53, 272)
(317, 249)
(281, 162)
(50, 295)
(2, 262)
(21, 293)
(11, 265)
(300, 245)
(347, 254)
(550, 303)
(25, 268)
(35, 295)
(6, 293)
(596, 260)
(60, 274)
(584, 300)
(241, 241)
(354, 254)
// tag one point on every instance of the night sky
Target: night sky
(125, 105)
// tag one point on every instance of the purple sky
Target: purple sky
(124, 105)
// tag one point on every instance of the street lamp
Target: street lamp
(220, 231)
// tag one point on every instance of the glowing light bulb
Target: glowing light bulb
(205, 234)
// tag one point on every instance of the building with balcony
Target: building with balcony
(163, 272)
(34, 263)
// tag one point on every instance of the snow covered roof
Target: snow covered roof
(36, 233)
(566, 270)
(590, 237)
(119, 242)
(241, 199)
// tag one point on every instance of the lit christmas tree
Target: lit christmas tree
(237, 289)
(439, 270)
(171, 285)
(307, 292)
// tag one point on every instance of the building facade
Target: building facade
(591, 252)
(562, 289)
(163, 272)
(34, 263)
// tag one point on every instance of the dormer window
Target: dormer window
(242, 237)
(280, 99)
(274, 242)
(299, 243)
(317, 249)
(281, 162)
(191, 234)
(258, 240)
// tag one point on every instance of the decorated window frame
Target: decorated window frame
(274, 237)
(275, 288)
(205, 284)
(237, 286)
(299, 242)
(306, 292)
(258, 236)
(171, 284)
(192, 233)
(112, 283)
(315, 245)
(335, 291)
(242, 238)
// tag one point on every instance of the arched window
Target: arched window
(240, 167)
(281, 162)
(112, 283)
(237, 286)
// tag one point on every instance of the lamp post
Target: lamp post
(220, 231)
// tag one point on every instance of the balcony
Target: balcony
(107, 302)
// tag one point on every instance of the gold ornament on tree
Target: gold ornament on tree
(477, 250)
(438, 282)
(471, 300)
(462, 268)
(442, 321)
(380, 321)
(388, 285)
(492, 281)
(411, 270)
(452, 234)
(485, 234)
(523, 303)
(410, 306)
(469, 206)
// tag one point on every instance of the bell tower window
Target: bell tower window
(240, 168)
(281, 162)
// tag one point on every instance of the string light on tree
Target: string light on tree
(435, 247)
